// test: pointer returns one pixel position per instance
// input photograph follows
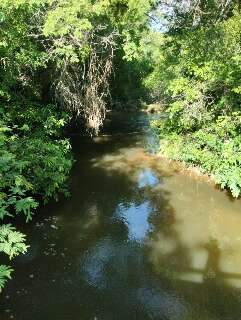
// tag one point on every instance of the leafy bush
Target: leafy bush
(34, 161)
(199, 81)
(216, 150)
(12, 243)
(5, 274)
(34, 164)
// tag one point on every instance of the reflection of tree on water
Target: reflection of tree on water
(212, 272)
(195, 272)
(105, 273)
(170, 257)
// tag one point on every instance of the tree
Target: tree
(197, 76)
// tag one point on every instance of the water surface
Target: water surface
(138, 239)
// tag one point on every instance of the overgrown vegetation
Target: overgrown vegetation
(64, 60)
(56, 59)
(197, 79)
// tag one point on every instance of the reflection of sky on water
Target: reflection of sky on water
(158, 301)
(147, 178)
(95, 263)
(136, 218)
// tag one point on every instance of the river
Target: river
(139, 238)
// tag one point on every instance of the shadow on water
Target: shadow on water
(132, 242)
(196, 276)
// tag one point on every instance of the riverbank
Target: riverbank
(192, 171)
(136, 226)
(209, 151)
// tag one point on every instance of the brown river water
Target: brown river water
(139, 238)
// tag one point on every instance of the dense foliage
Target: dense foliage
(64, 60)
(197, 79)
(56, 59)
(34, 164)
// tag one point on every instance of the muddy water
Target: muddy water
(137, 239)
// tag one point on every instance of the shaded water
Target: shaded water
(137, 239)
